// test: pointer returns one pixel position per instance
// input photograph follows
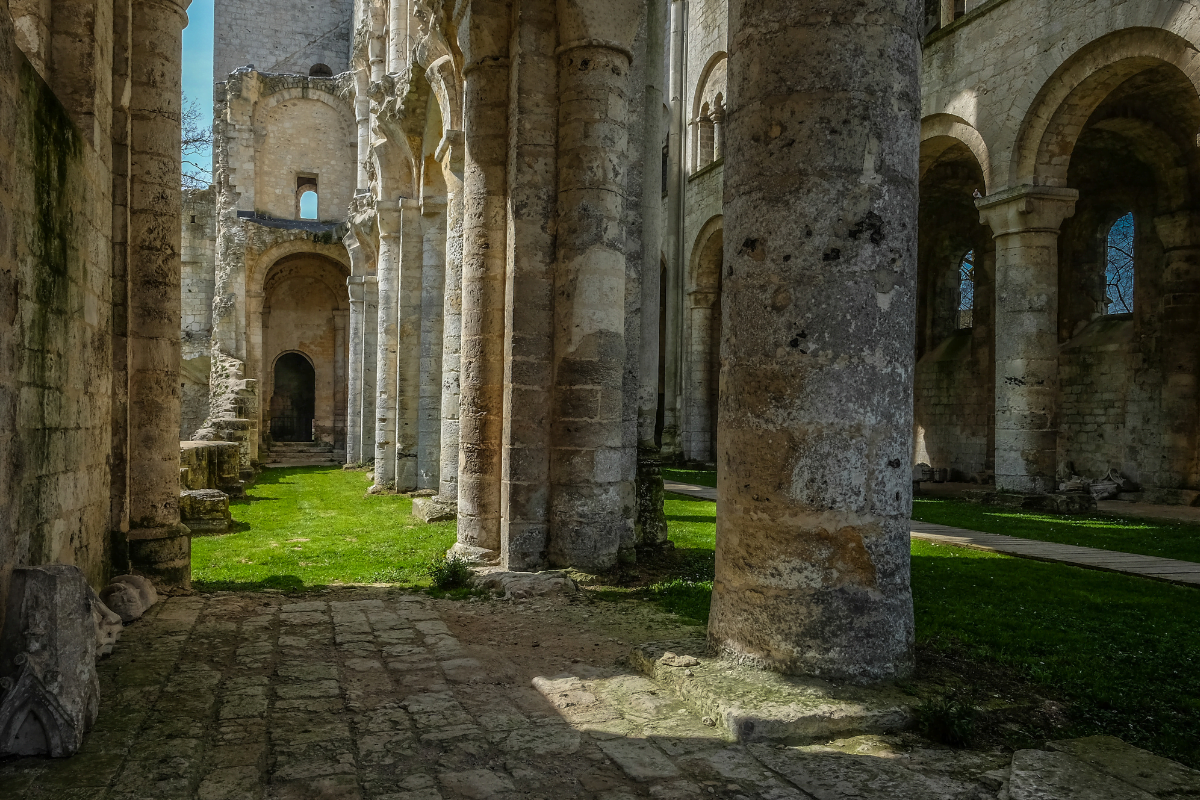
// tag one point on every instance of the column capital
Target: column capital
(586, 23)
(1024, 209)
(180, 7)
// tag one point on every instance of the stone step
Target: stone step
(315, 461)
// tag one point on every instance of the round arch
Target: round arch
(941, 132)
(1052, 125)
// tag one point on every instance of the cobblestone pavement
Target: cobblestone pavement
(377, 694)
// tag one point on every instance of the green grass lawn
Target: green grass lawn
(1124, 652)
(1142, 536)
(312, 526)
(1147, 537)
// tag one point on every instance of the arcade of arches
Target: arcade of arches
(933, 248)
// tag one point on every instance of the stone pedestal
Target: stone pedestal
(1025, 222)
(815, 446)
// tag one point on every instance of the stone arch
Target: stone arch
(708, 109)
(703, 343)
(940, 132)
(306, 310)
(1055, 119)
(260, 265)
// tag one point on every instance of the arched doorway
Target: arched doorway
(704, 348)
(294, 399)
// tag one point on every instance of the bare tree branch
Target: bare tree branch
(196, 142)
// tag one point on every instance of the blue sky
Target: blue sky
(198, 57)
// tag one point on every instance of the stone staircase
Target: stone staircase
(302, 454)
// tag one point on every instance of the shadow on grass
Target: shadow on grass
(687, 498)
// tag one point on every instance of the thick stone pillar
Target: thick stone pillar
(354, 420)
(651, 524)
(1024, 222)
(370, 356)
(432, 291)
(390, 242)
(159, 545)
(444, 505)
(341, 379)
(408, 345)
(119, 455)
(1179, 312)
(819, 299)
(529, 291)
(673, 238)
(589, 495)
(483, 37)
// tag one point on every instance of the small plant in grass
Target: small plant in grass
(946, 720)
(448, 573)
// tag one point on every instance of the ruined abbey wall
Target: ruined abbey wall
(281, 37)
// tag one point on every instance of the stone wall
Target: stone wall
(1094, 373)
(281, 36)
(199, 273)
(55, 330)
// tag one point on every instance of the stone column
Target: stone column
(390, 242)
(397, 32)
(408, 345)
(1179, 311)
(341, 380)
(673, 238)
(1024, 222)
(529, 291)
(370, 356)
(444, 506)
(119, 456)
(159, 545)
(589, 493)
(432, 291)
(354, 418)
(362, 115)
(819, 299)
(483, 37)
(651, 524)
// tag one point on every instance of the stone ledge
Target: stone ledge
(757, 706)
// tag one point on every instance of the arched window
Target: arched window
(320, 71)
(308, 205)
(966, 290)
(1118, 267)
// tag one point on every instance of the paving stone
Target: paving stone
(640, 759)
(1148, 772)
(231, 783)
(1042, 775)
(543, 741)
(840, 776)
(477, 784)
(332, 787)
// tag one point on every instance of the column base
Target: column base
(474, 555)
(164, 555)
(435, 509)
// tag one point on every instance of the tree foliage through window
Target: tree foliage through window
(966, 290)
(1118, 269)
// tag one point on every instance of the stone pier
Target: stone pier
(812, 551)
(159, 545)
(589, 494)
(1025, 222)
(483, 37)
(388, 215)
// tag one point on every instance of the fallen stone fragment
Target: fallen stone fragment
(672, 660)
(1041, 775)
(517, 585)
(47, 663)
(640, 760)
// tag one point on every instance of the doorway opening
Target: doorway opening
(294, 401)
